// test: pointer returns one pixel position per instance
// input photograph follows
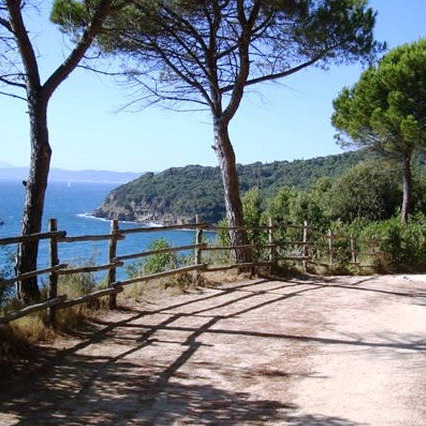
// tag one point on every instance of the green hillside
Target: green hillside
(177, 194)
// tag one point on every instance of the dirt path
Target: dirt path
(340, 351)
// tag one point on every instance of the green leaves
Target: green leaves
(70, 15)
(155, 263)
(369, 191)
(386, 109)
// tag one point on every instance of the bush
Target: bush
(403, 245)
(161, 262)
(254, 219)
(155, 263)
(369, 191)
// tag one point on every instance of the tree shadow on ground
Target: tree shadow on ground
(79, 389)
(359, 285)
(91, 390)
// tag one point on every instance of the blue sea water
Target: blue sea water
(71, 204)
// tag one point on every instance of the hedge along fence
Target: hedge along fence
(310, 249)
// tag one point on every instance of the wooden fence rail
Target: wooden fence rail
(32, 274)
(32, 237)
(275, 251)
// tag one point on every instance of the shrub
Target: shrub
(403, 245)
(155, 263)
(161, 262)
(369, 190)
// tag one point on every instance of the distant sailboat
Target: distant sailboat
(69, 184)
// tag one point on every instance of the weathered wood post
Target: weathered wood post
(198, 250)
(112, 253)
(272, 257)
(273, 249)
(330, 247)
(353, 250)
(305, 245)
(53, 277)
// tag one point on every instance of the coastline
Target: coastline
(135, 222)
(129, 222)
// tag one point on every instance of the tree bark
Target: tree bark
(407, 187)
(35, 193)
(234, 210)
(38, 96)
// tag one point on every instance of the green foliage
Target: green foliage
(280, 206)
(385, 110)
(153, 38)
(70, 14)
(253, 218)
(419, 192)
(187, 191)
(156, 262)
(279, 210)
(403, 245)
(368, 191)
(306, 206)
(161, 262)
(223, 237)
(76, 285)
(362, 203)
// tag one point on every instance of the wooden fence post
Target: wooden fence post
(353, 250)
(272, 257)
(53, 277)
(198, 250)
(305, 245)
(330, 247)
(112, 254)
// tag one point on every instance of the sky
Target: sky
(278, 121)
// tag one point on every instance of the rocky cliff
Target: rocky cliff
(156, 213)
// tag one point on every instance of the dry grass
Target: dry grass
(19, 336)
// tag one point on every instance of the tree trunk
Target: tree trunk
(407, 187)
(234, 211)
(34, 199)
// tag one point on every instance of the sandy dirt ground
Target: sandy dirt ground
(312, 351)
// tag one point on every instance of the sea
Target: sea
(72, 204)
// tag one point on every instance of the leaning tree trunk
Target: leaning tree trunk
(35, 192)
(234, 210)
(406, 187)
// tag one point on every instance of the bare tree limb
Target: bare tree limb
(24, 44)
(12, 95)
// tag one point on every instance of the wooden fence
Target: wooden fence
(274, 250)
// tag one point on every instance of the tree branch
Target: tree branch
(6, 24)
(71, 62)
(110, 74)
(244, 57)
(193, 83)
(275, 75)
(12, 83)
(24, 44)
(11, 95)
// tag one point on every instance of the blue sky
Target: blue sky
(279, 121)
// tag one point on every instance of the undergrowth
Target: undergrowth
(18, 335)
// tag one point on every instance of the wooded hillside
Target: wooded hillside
(177, 194)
